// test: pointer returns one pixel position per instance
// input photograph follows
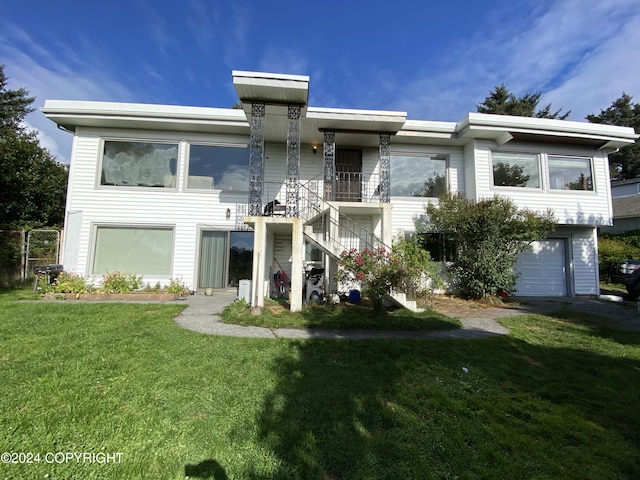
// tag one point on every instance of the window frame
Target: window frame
(538, 161)
(590, 161)
(101, 154)
(187, 164)
(421, 155)
(152, 226)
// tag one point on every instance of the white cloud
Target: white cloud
(580, 53)
(284, 60)
(601, 78)
(41, 71)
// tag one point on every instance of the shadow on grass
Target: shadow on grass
(500, 408)
(207, 469)
(343, 316)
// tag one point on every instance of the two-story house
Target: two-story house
(217, 195)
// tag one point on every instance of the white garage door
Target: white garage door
(542, 269)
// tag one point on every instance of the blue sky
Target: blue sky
(434, 60)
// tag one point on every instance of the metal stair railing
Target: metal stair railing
(350, 234)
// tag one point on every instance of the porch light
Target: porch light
(228, 214)
(315, 149)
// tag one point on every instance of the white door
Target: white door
(542, 270)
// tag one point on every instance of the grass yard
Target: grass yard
(558, 398)
(344, 316)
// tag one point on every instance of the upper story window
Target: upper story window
(415, 176)
(217, 167)
(139, 164)
(570, 173)
(515, 170)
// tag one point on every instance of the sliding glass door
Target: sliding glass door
(225, 258)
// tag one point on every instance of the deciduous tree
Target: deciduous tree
(488, 236)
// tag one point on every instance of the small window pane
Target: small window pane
(413, 176)
(567, 173)
(220, 168)
(515, 170)
(138, 250)
(139, 164)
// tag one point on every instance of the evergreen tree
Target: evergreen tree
(626, 162)
(502, 102)
(32, 183)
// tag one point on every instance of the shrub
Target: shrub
(613, 250)
(380, 271)
(488, 235)
(176, 287)
(121, 282)
(68, 283)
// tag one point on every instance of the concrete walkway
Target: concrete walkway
(202, 315)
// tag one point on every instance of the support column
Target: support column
(256, 159)
(329, 166)
(385, 168)
(259, 257)
(297, 256)
(293, 161)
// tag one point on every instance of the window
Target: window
(515, 170)
(138, 250)
(139, 164)
(217, 167)
(441, 248)
(570, 173)
(413, 176)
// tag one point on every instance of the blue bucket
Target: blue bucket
(354, 296)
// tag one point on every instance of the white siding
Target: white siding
(470, 187)
(570, 207)
(584, 246)
(182, 210)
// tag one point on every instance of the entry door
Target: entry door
(349, 175)
(225, 258)
(213, 259)
(543, 269)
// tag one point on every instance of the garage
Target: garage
(542, 269)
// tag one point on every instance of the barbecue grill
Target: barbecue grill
(49, 272)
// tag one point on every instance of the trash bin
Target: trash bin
(244, 290)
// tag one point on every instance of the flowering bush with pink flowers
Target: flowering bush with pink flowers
(379, 271)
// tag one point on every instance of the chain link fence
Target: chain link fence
(43, 248)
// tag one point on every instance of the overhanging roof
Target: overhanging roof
(70, 114)
(353, 127)
(503, 128)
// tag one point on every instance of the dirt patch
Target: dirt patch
(454, 306)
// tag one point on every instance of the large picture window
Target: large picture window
(139, 164)
(515, 170)
(414, 176)
(217, 167)
(138, 250)
(570, 173)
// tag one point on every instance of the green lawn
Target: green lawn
(558, 398)
(344, 316)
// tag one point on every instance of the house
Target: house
(625, 196)
(190, 192)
